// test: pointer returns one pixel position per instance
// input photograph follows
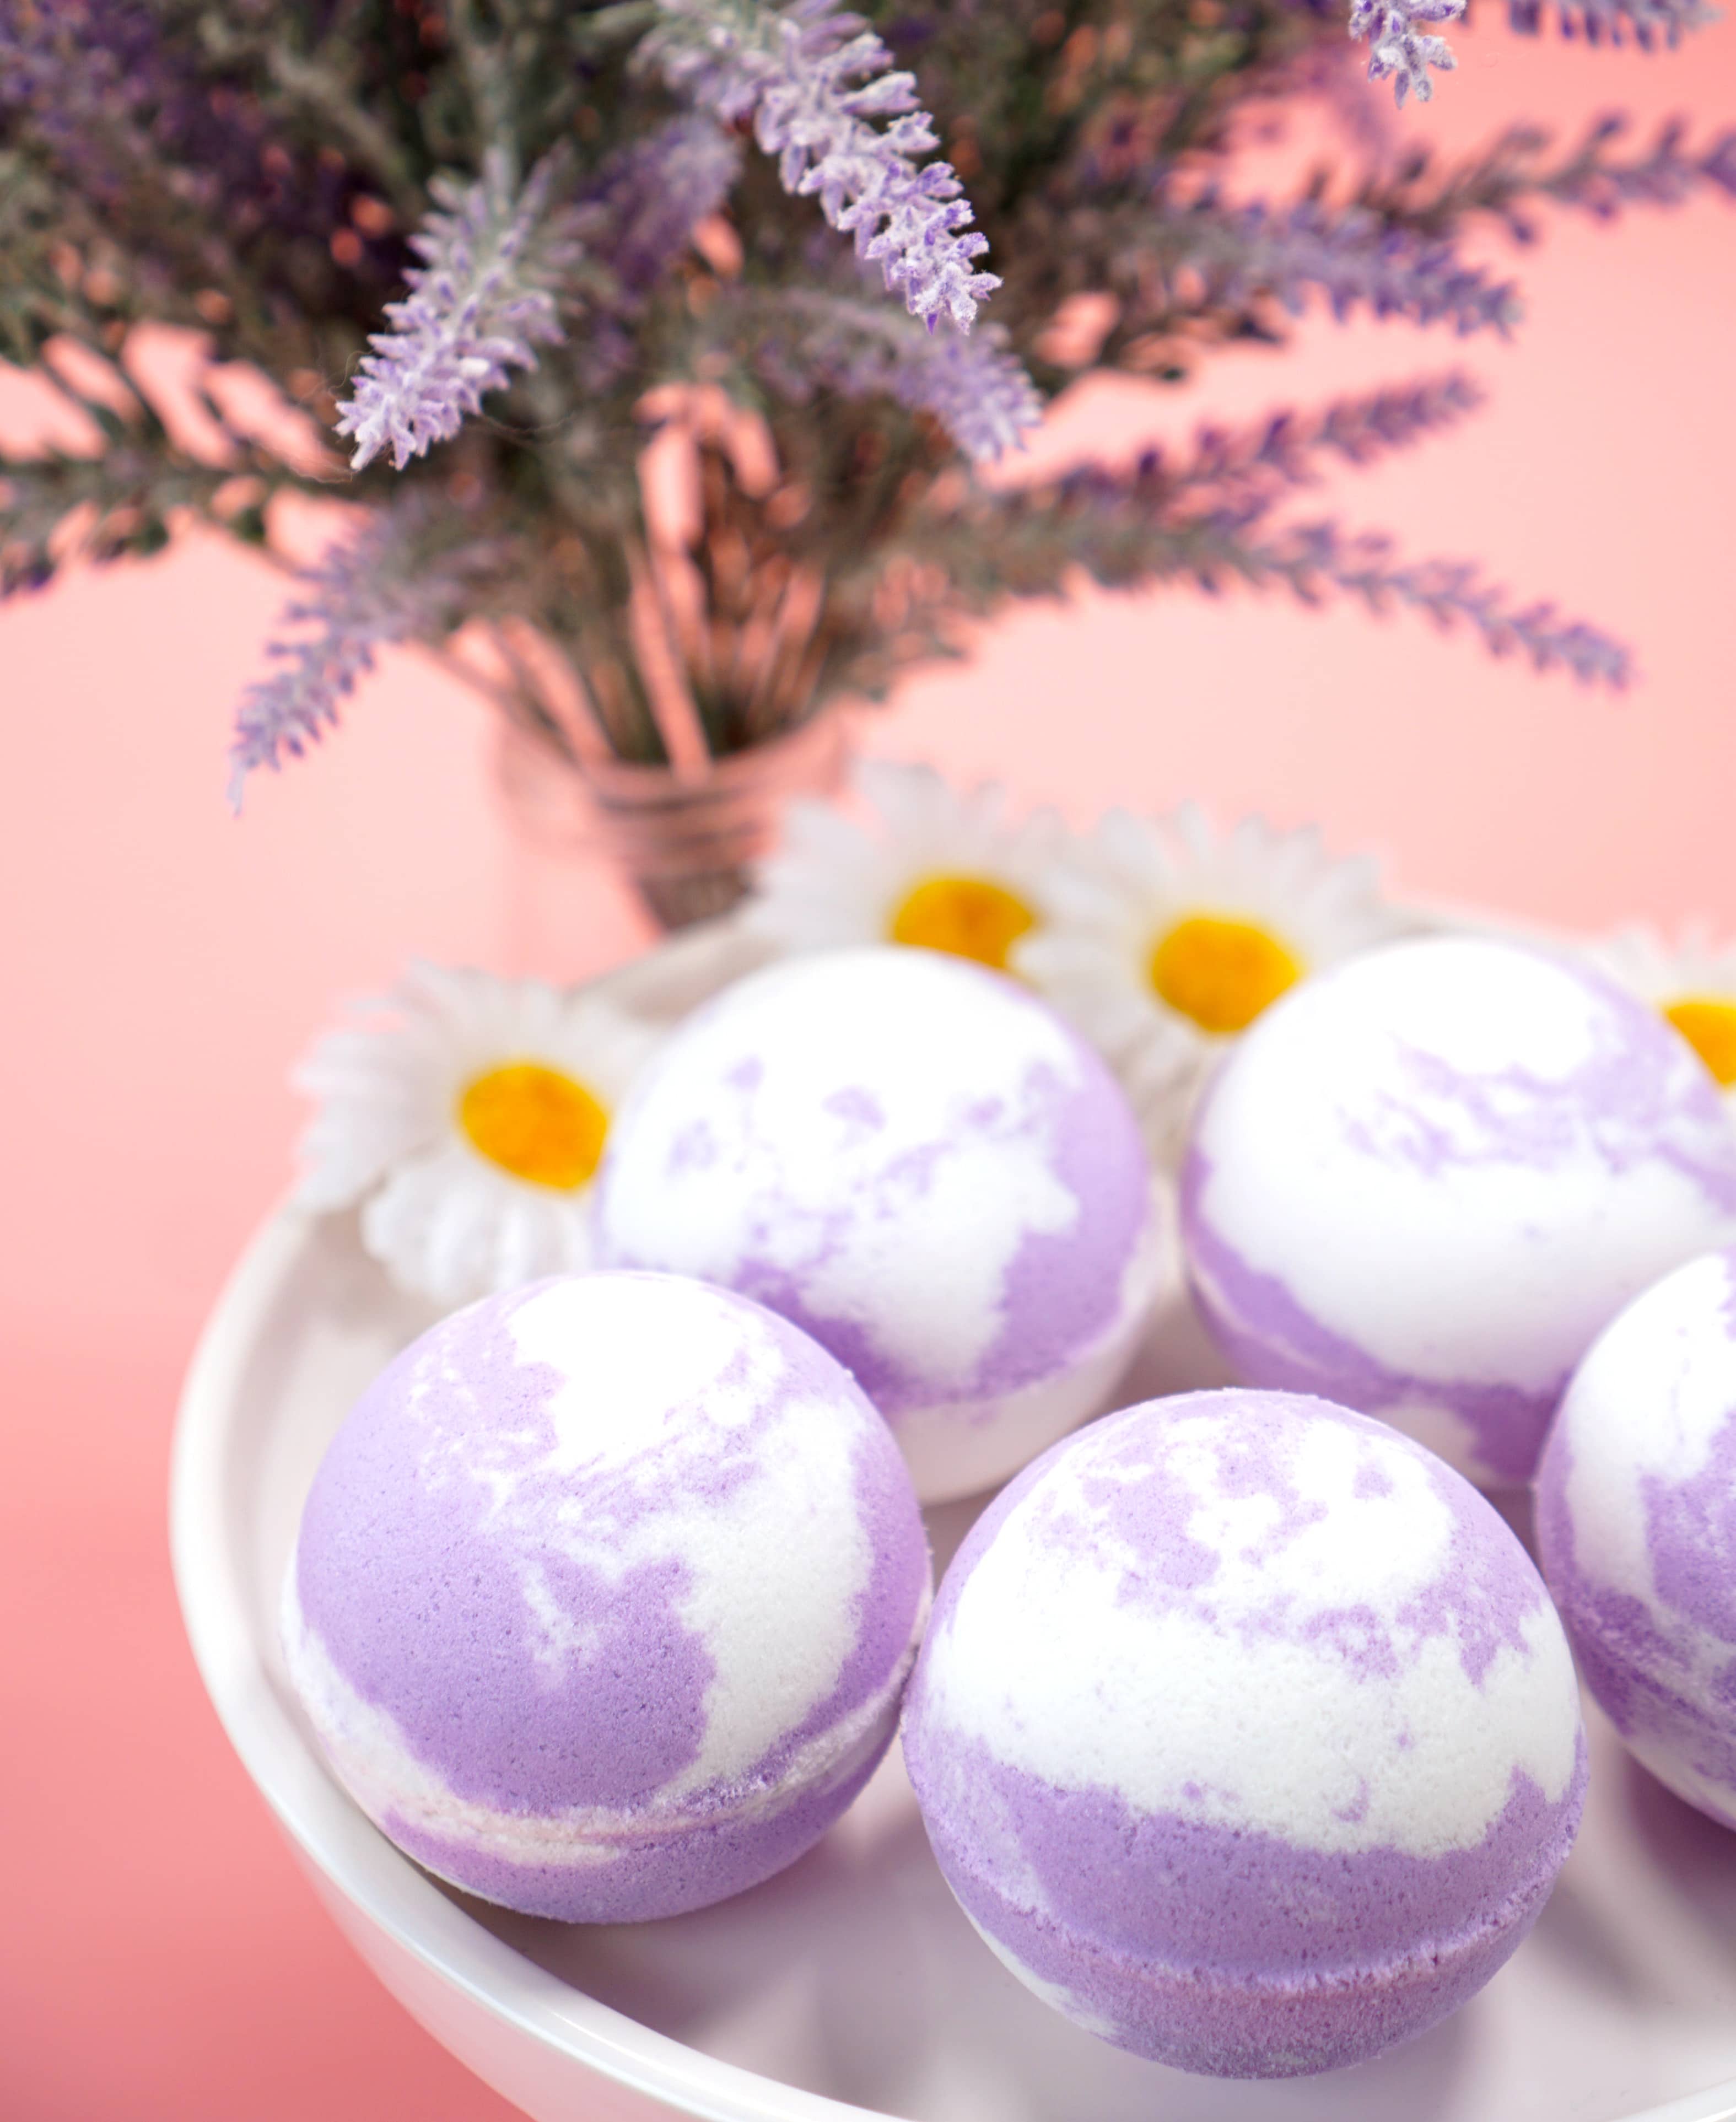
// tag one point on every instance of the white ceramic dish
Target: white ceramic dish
(852, 1986)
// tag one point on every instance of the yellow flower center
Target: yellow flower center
(535, 1123)
(1709, 1026)
(1220, 973)
(969, 916)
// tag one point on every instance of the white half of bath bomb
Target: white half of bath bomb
(919, 1164)
(1424, 1182)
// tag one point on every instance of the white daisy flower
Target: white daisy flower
(946, 870)
(467, 1115)
(1692, 983)
(1167, 941)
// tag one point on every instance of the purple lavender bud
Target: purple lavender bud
(814, 79)
(1666, 174)
(1310, 556)
(1399, 47)
(1350, 255)
(975, 388)
(648, 197)
(1281, 450)
(478, 304)
(1719, 165)
(377, 588)
(1647, 22)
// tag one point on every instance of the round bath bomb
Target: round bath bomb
(922, 1167)
(1245, 1733)
(1636, 1528)
(606, 1595)
(1423, 1184)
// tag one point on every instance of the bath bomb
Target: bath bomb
(1636, 1528)
(606, 1595)
(918, 1163)
(1245, 1733)
(1424, 1183)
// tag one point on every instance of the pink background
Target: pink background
(159, 1956)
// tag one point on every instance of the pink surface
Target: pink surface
(159, 1956)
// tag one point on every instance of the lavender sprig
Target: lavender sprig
(635, 216)
(122, 504)
(1511, 174)
(1102, 526)
(1209, 518)
(380, 587)
(975, 388)
(1245, 472)
(1668, 174)
(814, 79)
(1614, 22)
(1400, 48)
(1352, 255)
(478, 303)
(1310, 557)
(648, 197)
(1283, 450)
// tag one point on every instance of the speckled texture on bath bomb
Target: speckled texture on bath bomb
(1424, 1182)
(1636, 1528)
(918, 1163)
(1246, 1734)
(606, 1595)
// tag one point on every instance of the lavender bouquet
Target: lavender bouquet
(492, 248)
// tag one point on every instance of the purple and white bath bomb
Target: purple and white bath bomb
(1246, 1734)
(1424, 1183)
(1636, 1528)
(919, 1164)
(606, 1595)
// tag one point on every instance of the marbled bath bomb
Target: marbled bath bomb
(1424, 1182)
(922, 1167)
(1246, 1735)
(605, 1595)
(1636, 1528)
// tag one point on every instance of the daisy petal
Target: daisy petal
(943, 868)
(466, 1114)
(1166, 939)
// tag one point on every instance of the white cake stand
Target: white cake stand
(852, 1986)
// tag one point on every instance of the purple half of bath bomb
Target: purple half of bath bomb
(1269, 1339)
(1062, 1292)
(421, 1606)
(1232, 1953)
(1634, 1099)
(1636, 1658)
(1224, 1950)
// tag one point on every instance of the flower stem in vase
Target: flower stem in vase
(687, 839)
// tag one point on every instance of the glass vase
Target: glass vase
(686, 840)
